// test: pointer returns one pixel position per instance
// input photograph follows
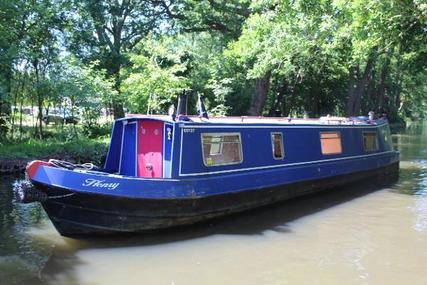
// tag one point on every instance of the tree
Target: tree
(110, 29)
(155, 78)
(105, 30)
(82, 87)
(220, 16)
(12, 26)
(41, 49)
(280, 43)
(318, 57)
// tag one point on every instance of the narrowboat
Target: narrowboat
(167, 171)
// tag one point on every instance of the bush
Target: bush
(78, 150)
(96, 131)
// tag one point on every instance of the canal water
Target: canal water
(362, 234)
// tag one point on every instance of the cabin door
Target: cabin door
(150, 144)
(127, 156)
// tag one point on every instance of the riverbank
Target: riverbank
(15, 156)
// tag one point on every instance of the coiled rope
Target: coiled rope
(71, 166)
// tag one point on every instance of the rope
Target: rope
(71, 166)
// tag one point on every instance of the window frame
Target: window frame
(376, 140)
(330, 132)
(221, 147)
(282, 147)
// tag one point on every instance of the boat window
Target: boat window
(330, 143)
(221, 148)
(370, 141)
(277, 145)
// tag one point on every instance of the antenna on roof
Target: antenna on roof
(201, 109)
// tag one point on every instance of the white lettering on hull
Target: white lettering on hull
(100, 184)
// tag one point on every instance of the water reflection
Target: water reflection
(359, 234)
(20, 256)
(413, 178)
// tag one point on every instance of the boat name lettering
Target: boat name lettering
(188, 130)
(100, 184)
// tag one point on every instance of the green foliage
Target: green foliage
(80, 151)
(97, 130)
(84, 87)
(217, 16)
(324, 55)
(289, 57)
(155, 78)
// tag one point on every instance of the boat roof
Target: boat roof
(243, 120)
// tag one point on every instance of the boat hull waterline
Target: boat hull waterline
(76, 213)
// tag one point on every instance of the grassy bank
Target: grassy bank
(13, 157)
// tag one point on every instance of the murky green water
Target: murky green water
(353, 235)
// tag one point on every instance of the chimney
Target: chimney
(201, 109)
(182, 104)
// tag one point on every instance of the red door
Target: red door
(150, 158)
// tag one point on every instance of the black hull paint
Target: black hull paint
(89, 214)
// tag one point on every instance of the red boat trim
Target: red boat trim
(32, 167)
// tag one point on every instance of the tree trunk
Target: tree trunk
(371, 102)
(353, 103)
(32, 115)
(39, 130)
(382, 85)
(14, 96)
(4, 100)
(73, 101)
(262, 85)
(276, 109)
(18, 97)
(351, 86)
(315, 111)
(118, 109)
(398, 79)
(21, 103)
(114, 71)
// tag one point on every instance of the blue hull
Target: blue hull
(138, 205)
(142, 188)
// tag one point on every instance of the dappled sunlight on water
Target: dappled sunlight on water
(360, 234)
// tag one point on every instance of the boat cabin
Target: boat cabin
(140, 147)
(161, 147)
